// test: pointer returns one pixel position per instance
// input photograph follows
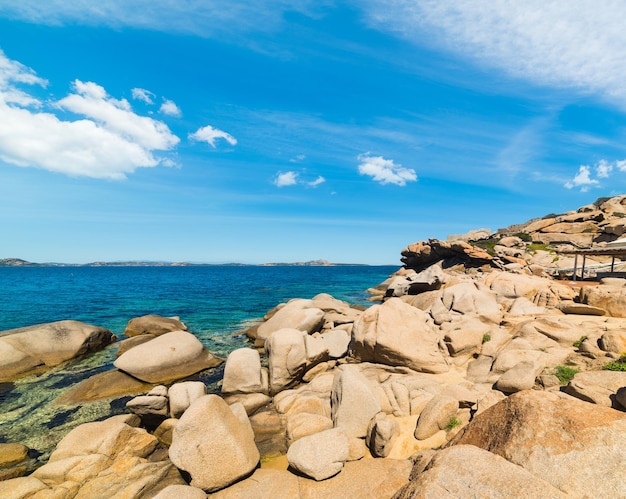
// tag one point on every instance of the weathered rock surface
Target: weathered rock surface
(566, 442)
(398, 334)
(436, 416)
(102, 459)
(155, 325)
(182, 395)
(243, 373)
(321, 455)
(296, 314)
(180, 492)
(24, 349)
(353, 402)
(381, 435)
(597, 387)
(468, 471)
(170, 356)
(609, 298)
(213, 445)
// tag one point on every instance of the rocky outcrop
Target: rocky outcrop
(564, 441)
(168, 357)
(321, 455)
(110, 458)
(468, 471)
(25, 349)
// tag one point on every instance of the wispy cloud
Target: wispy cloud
(385, 171)
(143, 95)
(170, 108)
(603, 170)
(209, 135)
(108, 140)
(574, 44)
(198, 17)
(318, 181)
(286, 179)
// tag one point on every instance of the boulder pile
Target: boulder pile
(477, 374)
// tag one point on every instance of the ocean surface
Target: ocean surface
(215, 302)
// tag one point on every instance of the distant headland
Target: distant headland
(18, 262)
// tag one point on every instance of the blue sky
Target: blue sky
(290, 131)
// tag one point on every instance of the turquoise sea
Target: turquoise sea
(215, 302)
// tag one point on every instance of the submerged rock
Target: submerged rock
(24, 349)
(155, 325)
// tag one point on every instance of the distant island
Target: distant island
(18, 262)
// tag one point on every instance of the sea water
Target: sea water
(215, 302)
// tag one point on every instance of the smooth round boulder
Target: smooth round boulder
(183, 394)
(171, 356)
(321, 455)
(213, 445)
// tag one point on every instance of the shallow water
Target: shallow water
(216, 303)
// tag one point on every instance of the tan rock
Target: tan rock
(397, 334)
(12, 454)
(103, 385)
(180, 492)
(170, 356)
(467, 471)
(613, 341)
(286, 349)
(436, 416)
(609, 298)
(213, 445)
(574, 446)
(296, 314)
(597, 387)
(23, 349)
(243, 373)
(353, 404)
(303, 424)
(153, 324)
(182, 395)
(321, 455)
(520, 377)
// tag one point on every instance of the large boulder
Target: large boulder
(168, 357)
(467, 471)
(575, 446)
(213, 445)
(398, 334)
(610, 298)
(436, 416)
(296, 314)
(243, 373)
(321, 455)
(24, 349)
(353, 402)
(286, 349)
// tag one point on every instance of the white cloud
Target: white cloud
(143, 95)
(209, 135)
(108, 141)
(318, 181)
(603, 169)
(286, 179)
(582, 179)
(385, 171)
(298, 158)
(565, 44)
(12, 73)
(170, 108)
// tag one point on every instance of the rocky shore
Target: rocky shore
(474, 373)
